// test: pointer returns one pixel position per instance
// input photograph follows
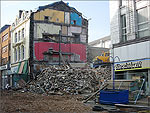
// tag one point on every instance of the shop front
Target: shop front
(137, 70)
(20, 73)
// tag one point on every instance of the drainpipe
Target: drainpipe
(59, 45)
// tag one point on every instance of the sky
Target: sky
(97, 12)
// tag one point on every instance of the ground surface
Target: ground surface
(16, 102)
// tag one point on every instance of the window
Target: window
(5, 37)
(77, 38)
(22, 49)
(143, 23)
(15, 55)
(19, 36)
(4, 61)
(23, 33)
(19, 53)
(123, 28)
(15, 37)
(4, 49)
(74, 22)
(46, 18)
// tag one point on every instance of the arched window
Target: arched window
(22, 49)
(19, 53)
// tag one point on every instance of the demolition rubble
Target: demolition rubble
(62, 80)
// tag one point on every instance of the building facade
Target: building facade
(38, 37)
(130, 38)
(20, 46)
(5, 55)
(104, 42)
(57, 27)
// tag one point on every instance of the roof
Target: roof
(52, 5)
(106, 38)
(4, 27)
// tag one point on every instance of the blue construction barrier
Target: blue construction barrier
(114, 96)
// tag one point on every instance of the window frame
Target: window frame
(23, 32)
(123, 28)
(16, 37)
(139, 24)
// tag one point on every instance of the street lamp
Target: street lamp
(113, 60)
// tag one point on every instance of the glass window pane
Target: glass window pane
(143, 15)
(142, 26)
(144, 33)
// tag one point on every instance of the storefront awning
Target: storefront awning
(23, 67)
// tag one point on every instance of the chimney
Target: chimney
(20, 12)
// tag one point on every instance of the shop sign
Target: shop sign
(128, 65)
(3, 67)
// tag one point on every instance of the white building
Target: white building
(103, 42)
(130, 37)
(20, 40)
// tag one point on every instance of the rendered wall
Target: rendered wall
(77, 18)
(133, 51)
(54, 15)
(40, 28)
(40, 47)
(23, 41)
(74, 29)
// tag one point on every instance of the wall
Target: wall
(23, 41)
(114, 21)
(53, 15)
(95, 51)
(40, 28)
(40, 47)
(74, 29)
(5, 43)
(133, 51)
(77, 18)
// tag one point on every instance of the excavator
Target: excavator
(104, 58)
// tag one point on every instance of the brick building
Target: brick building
(5, 55)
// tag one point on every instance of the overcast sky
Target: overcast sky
(96, 11)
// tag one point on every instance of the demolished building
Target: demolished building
(43, 34)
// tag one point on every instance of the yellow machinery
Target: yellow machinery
(103, 58)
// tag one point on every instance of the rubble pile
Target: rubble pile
(61, 80)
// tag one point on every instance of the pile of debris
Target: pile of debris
(62, 80)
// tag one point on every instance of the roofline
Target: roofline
(4, 28)
(103, 39)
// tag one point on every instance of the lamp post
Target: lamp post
(113, 60)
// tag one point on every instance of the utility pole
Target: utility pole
(59, 45)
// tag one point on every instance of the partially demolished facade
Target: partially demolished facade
(53, 28)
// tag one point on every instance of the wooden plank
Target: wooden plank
(102, 87)
(132, 106)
